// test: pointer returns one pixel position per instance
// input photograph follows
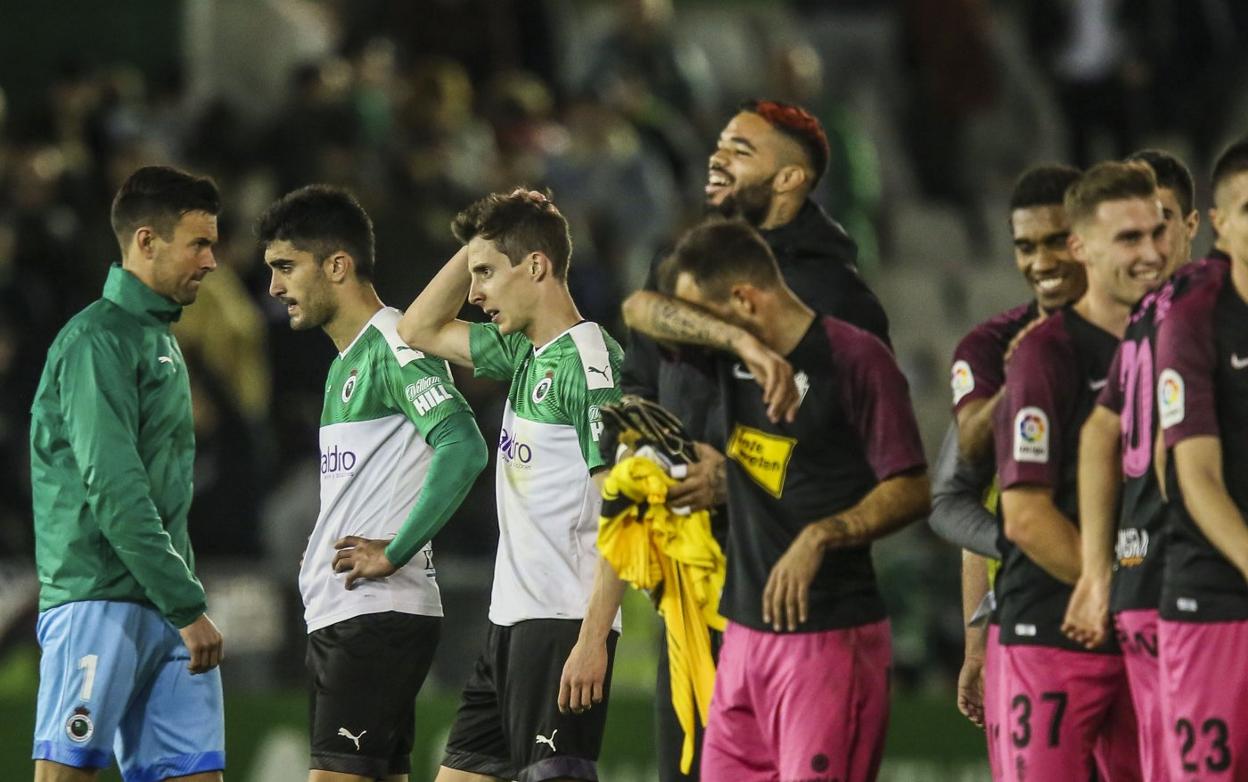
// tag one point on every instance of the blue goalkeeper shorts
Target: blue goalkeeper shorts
(113, 680)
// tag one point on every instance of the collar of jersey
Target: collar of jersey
(363, 329)
(538, 351)
(128, 292)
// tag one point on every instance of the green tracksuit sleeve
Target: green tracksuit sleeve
(100, 405)
(459, 455)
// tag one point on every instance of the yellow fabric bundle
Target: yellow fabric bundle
(658, 548)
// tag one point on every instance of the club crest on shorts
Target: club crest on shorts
(1031, 436)
(1170, 398)
(79, 726)
(961, 380)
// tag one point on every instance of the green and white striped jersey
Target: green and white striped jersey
(547, 503)
(381, 399)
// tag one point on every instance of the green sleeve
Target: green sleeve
(100, 407)
(459, 455)
(422, 389)
(581, 405)
(494, 354)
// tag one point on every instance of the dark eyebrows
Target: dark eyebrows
(1046, 239)
(743, 142)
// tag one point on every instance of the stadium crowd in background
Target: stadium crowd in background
(616, 109)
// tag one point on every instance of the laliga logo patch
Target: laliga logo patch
(348, 388)
(1170, 393)
(1031, 436)
(543, 388)
(961, 380)
(79, 726)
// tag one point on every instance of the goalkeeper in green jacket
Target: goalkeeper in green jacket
(129, 662)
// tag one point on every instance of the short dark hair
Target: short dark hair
(1232, 161)
(1171, 173)
(518, 223)
(1108, 181)
(322, 220)
(798, 124)
(158, 196)
(719, 253)
(1043, 185)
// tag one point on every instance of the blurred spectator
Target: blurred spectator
(952, 77)
(850, 189)
(661, 83)
(1092, 51)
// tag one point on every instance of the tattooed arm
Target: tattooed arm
(666, 319)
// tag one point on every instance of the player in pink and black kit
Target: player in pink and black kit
(1119, 490)
(1067, 705)
(802, 687)
(1202, 391)
(963, 490)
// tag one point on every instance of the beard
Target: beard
(751, 203)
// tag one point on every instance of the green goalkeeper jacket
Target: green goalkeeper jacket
(112, 447)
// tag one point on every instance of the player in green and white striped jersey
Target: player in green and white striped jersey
(399, 449)
(526, 711)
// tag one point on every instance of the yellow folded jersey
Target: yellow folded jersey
(652, 548)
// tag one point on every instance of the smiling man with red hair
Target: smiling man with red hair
(767, 160)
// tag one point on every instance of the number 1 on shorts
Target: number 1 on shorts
(87, 663)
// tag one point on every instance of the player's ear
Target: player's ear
(1216, 222)
(788, 178)
(337, 266)
(1078, 248)
(145, 240)
(1192, 223)
(538, 266)
(741, 299)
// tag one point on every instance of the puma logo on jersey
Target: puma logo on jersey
(551, 741)
(1237, 362)
(354, 739)
(605, 371)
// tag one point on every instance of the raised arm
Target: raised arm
(430, 323)
(667, 319)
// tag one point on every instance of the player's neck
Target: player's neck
(1239, 277)
(782, 212)
(785, 327)
(354, 311)
(1103, 311)
(555, 314)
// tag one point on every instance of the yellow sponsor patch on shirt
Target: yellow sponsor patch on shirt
(765, 457)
